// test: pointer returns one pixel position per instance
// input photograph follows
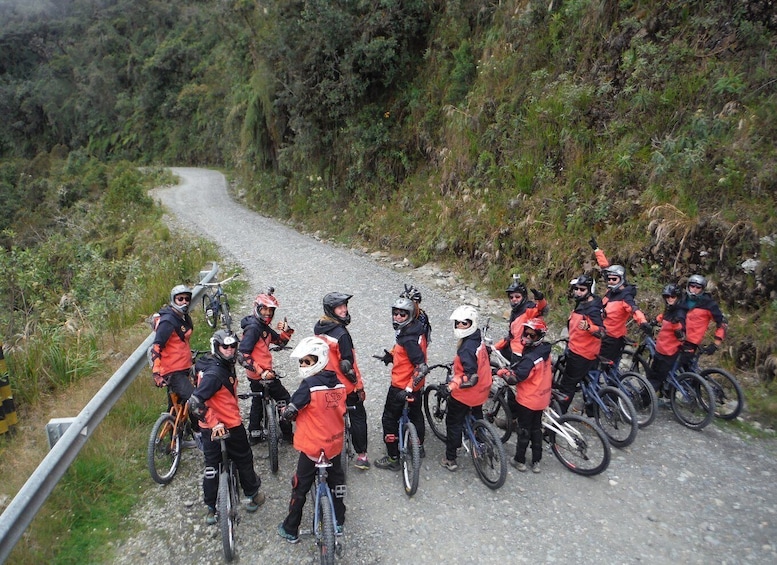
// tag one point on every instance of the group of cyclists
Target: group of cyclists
(331, 380)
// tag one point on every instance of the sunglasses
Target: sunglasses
(530, 335)
(306, 362)
(465, 323)
(183, 298)
(228, 346)
(694, 285)
(581, 288)
(515, 296)
(400, 313)
(613, 279)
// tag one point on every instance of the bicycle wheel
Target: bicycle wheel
(692, 401)
(488, 455)
(227, 512)
(727, 392)
(496, 410)
(582, 447)
(642, 396)
(226, 316)
(273, 439)
(410, 458)
(435, 408)
(207, 309)
(618, 419)
(164, 450)
(325, 536)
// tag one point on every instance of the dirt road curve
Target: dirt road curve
(674, 496)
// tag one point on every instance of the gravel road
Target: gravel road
(674, 496)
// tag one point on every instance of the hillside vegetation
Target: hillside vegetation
(497, 136)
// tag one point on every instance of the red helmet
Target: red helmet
(538, 325)
(267, 300)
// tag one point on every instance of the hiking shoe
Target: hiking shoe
(256, 437)
(210, 517)
(291, 538)
(256, 501)
(386, 462)
(535, 467)
(422, 451)
(448, 464)
(362, 462)
(188, 444)
(518, 465)
(339, 530)
(198, 440)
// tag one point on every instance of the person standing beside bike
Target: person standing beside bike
(701, 310)
(318, 406)
(619, 306)
(214, 401)
(471, 382)
(254, 354)
(521, 311)
(171, 354)
(533, 379)
(586, 330)
(408, 372)
(670, 338)
(342, 360)
(420, 314)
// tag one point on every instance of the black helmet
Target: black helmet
(223, 337)
(583, 280)
(332, 301)
(671, 290)
(412, 293)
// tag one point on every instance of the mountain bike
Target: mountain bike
(611, 409)
(215, 304)
(727, 392)
(329, 537)
(637, 387)
(270, 422)
(166, 439)
(227, 499)
(691, 397)
(479, 437)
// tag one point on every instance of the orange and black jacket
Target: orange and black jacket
(170, 351)
(518, 317)
(255, 347)
(533, 377)
(701, 311)
(341, 348)
(672, 322)
(409, 352)
(619, 304)
(586, 342)
(471, 359)
(320, 400)
(217, 388)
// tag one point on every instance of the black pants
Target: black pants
(240, 452)
(358, 417)
(577, 368)
(659, 369)
(612, 348)
(301, 482)
(278, 392)
(529, 428)
(454, 425)
(391, 414)
(181, 384)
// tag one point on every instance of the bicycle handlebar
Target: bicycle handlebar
(212, 284)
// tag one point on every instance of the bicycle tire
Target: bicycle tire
(348, 453)
(590, 452)
(488, 456)
(619, 422)
(436, 409)
(226, 316)
(164, 450)
(273, 437)
(208, 311)
(495, 408)
(227, 513)
(693, 405)
(728, 394)
(410, 459)
(325, 537)
(642, 396)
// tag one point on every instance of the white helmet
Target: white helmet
(461, 314)
(315, 347)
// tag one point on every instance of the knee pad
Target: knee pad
(390, 438)
(294, 481)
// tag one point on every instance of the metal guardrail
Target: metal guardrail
(28, 501)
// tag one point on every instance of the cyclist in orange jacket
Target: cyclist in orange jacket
(214, 401)
(619, 306)
(471, 382)
(521, 311)
(407, 374)
(255, 356)
(342, 360)
(670, 336)
(702, 309)
(586, 330)
(318, 406)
